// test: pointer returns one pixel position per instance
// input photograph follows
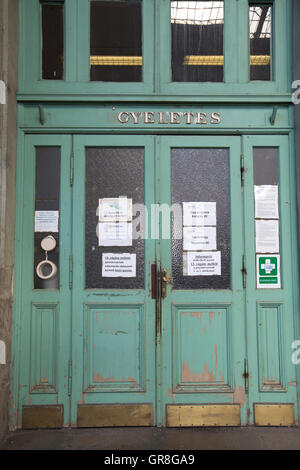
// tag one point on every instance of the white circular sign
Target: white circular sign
(48, 243)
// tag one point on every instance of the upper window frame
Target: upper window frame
(157, 84)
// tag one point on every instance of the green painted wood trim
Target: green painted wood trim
(295, 249)
(85, 118)
(17, 289)
(70, 40)
(232, 97)
(156, 53)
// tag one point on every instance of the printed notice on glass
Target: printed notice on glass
(267, 236)
(199, 213)
(117, 209)
(118, 265)
(266, 202)
(199, 238)
(202, 264)
(46, 221)
(115, 234)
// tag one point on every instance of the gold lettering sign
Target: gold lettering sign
(169, 117)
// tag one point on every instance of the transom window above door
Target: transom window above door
(116, 41)
(163, 47)
(197, 41)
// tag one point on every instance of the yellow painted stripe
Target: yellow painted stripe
(116, 60)
(188, 60)
(260, 60)
(219, 60)
(203, 60)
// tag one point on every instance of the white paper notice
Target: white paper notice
(199, 213)
(115, 234)
(118, 265)
(203, 264)
(266, 202)
(199, 238)
(117, 209)
(46, 221)
(267, 236)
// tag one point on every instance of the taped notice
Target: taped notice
(267, 236)
(268, 271)
(115, 234)
(202, 264)
(117, 209)
(266, 202)
(199, 213)
(46, 221)
(199, 238)
(118, 265)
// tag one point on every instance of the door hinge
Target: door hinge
(70, 271)
(69, 378)
(72, 168)
(242, 169)
(246, 375)
(244, 271)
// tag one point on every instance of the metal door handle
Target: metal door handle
(164, 281)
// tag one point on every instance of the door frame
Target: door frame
(16, 403)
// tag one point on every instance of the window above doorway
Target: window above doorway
(108, 49)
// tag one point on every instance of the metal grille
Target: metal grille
(260, 22)
(197, 13)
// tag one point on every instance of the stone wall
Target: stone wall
(8, 139)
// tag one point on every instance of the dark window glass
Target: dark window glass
(53, 42)
(267, 214)
(116, 41)
(197, 41)
(110, 173)
(260, 41)
(265, 166)
(47, 194)
(202, 175)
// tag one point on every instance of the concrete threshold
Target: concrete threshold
(248, 438)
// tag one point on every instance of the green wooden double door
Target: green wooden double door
(175, 290)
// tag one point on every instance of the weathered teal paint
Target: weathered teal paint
(233, 325)
(241, 322)
(42, 317)
(270, 313)
(214, 316)
(108, 378)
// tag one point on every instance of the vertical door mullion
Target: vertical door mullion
(164, 251)
(232, 40)
(78, 224)
(243, 41)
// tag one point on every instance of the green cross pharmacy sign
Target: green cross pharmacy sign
(268, 271)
